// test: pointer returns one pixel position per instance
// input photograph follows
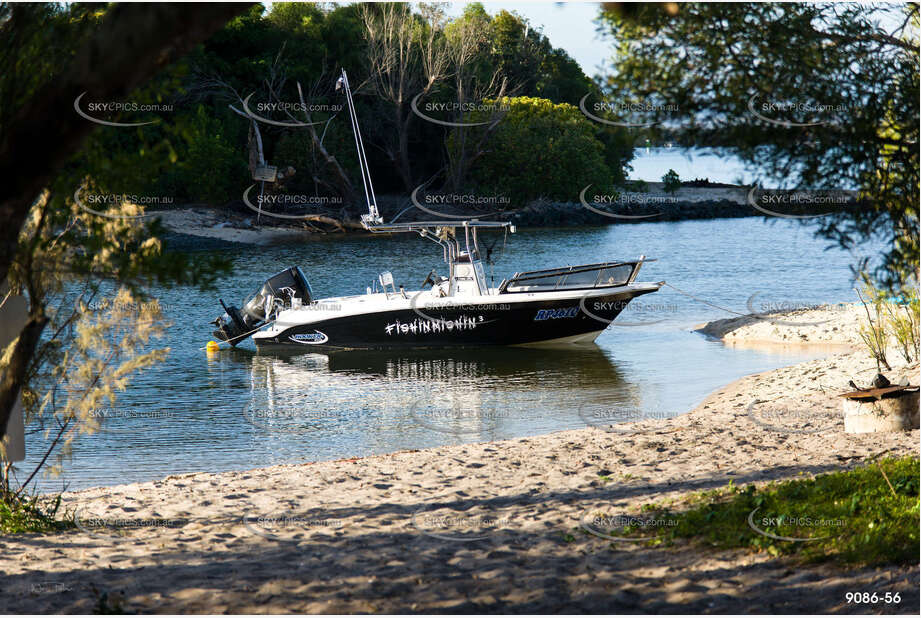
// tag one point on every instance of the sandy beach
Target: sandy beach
(210, 223)
(487, 527)
(825, 325)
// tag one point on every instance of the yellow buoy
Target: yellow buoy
(212, 346)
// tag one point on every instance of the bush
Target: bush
(671, 181)
(902, 321)
(215, 170)
(539, 149)
(636, 186)
(23, 514)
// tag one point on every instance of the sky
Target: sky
(567, 24)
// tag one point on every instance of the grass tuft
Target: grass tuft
(22, 514)
(865, 516)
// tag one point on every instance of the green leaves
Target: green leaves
(540, 150)
(671, 182)
(813, 96)
(23, 514)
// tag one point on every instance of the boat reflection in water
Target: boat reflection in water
(473, 394)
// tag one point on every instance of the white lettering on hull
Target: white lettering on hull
(433, 326)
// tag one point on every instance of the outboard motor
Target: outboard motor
(276, 293)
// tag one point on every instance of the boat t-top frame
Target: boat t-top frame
(466, 268)
(432, 230)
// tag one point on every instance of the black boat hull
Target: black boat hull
(513, 323)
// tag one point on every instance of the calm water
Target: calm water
(239, 409)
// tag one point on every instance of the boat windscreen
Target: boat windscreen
(574, 278)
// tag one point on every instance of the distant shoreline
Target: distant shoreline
(234, 224)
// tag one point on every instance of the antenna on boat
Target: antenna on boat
(373, 217)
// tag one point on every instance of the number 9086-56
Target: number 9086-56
(872, 597)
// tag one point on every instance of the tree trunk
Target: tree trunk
(132, 43)
(15, 372)
(403, 164)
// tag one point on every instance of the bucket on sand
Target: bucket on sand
(893, 408)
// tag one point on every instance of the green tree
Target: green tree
(541, 149)
(670, 181)
(815, 96)
(214, 167)
(130, 43)
(533, 66)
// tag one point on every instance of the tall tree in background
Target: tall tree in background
(475, 78)
(823, 96)
(407, 56)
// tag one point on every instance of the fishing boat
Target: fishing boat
(569, 304)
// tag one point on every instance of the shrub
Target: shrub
(671, 181)
(215, 170)
(873, 333)
(539, 149)
(902, 323)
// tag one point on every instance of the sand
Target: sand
(827, 324)
(210, 223)
(488, 527)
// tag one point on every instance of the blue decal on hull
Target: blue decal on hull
(548, 314)
(314, 338)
